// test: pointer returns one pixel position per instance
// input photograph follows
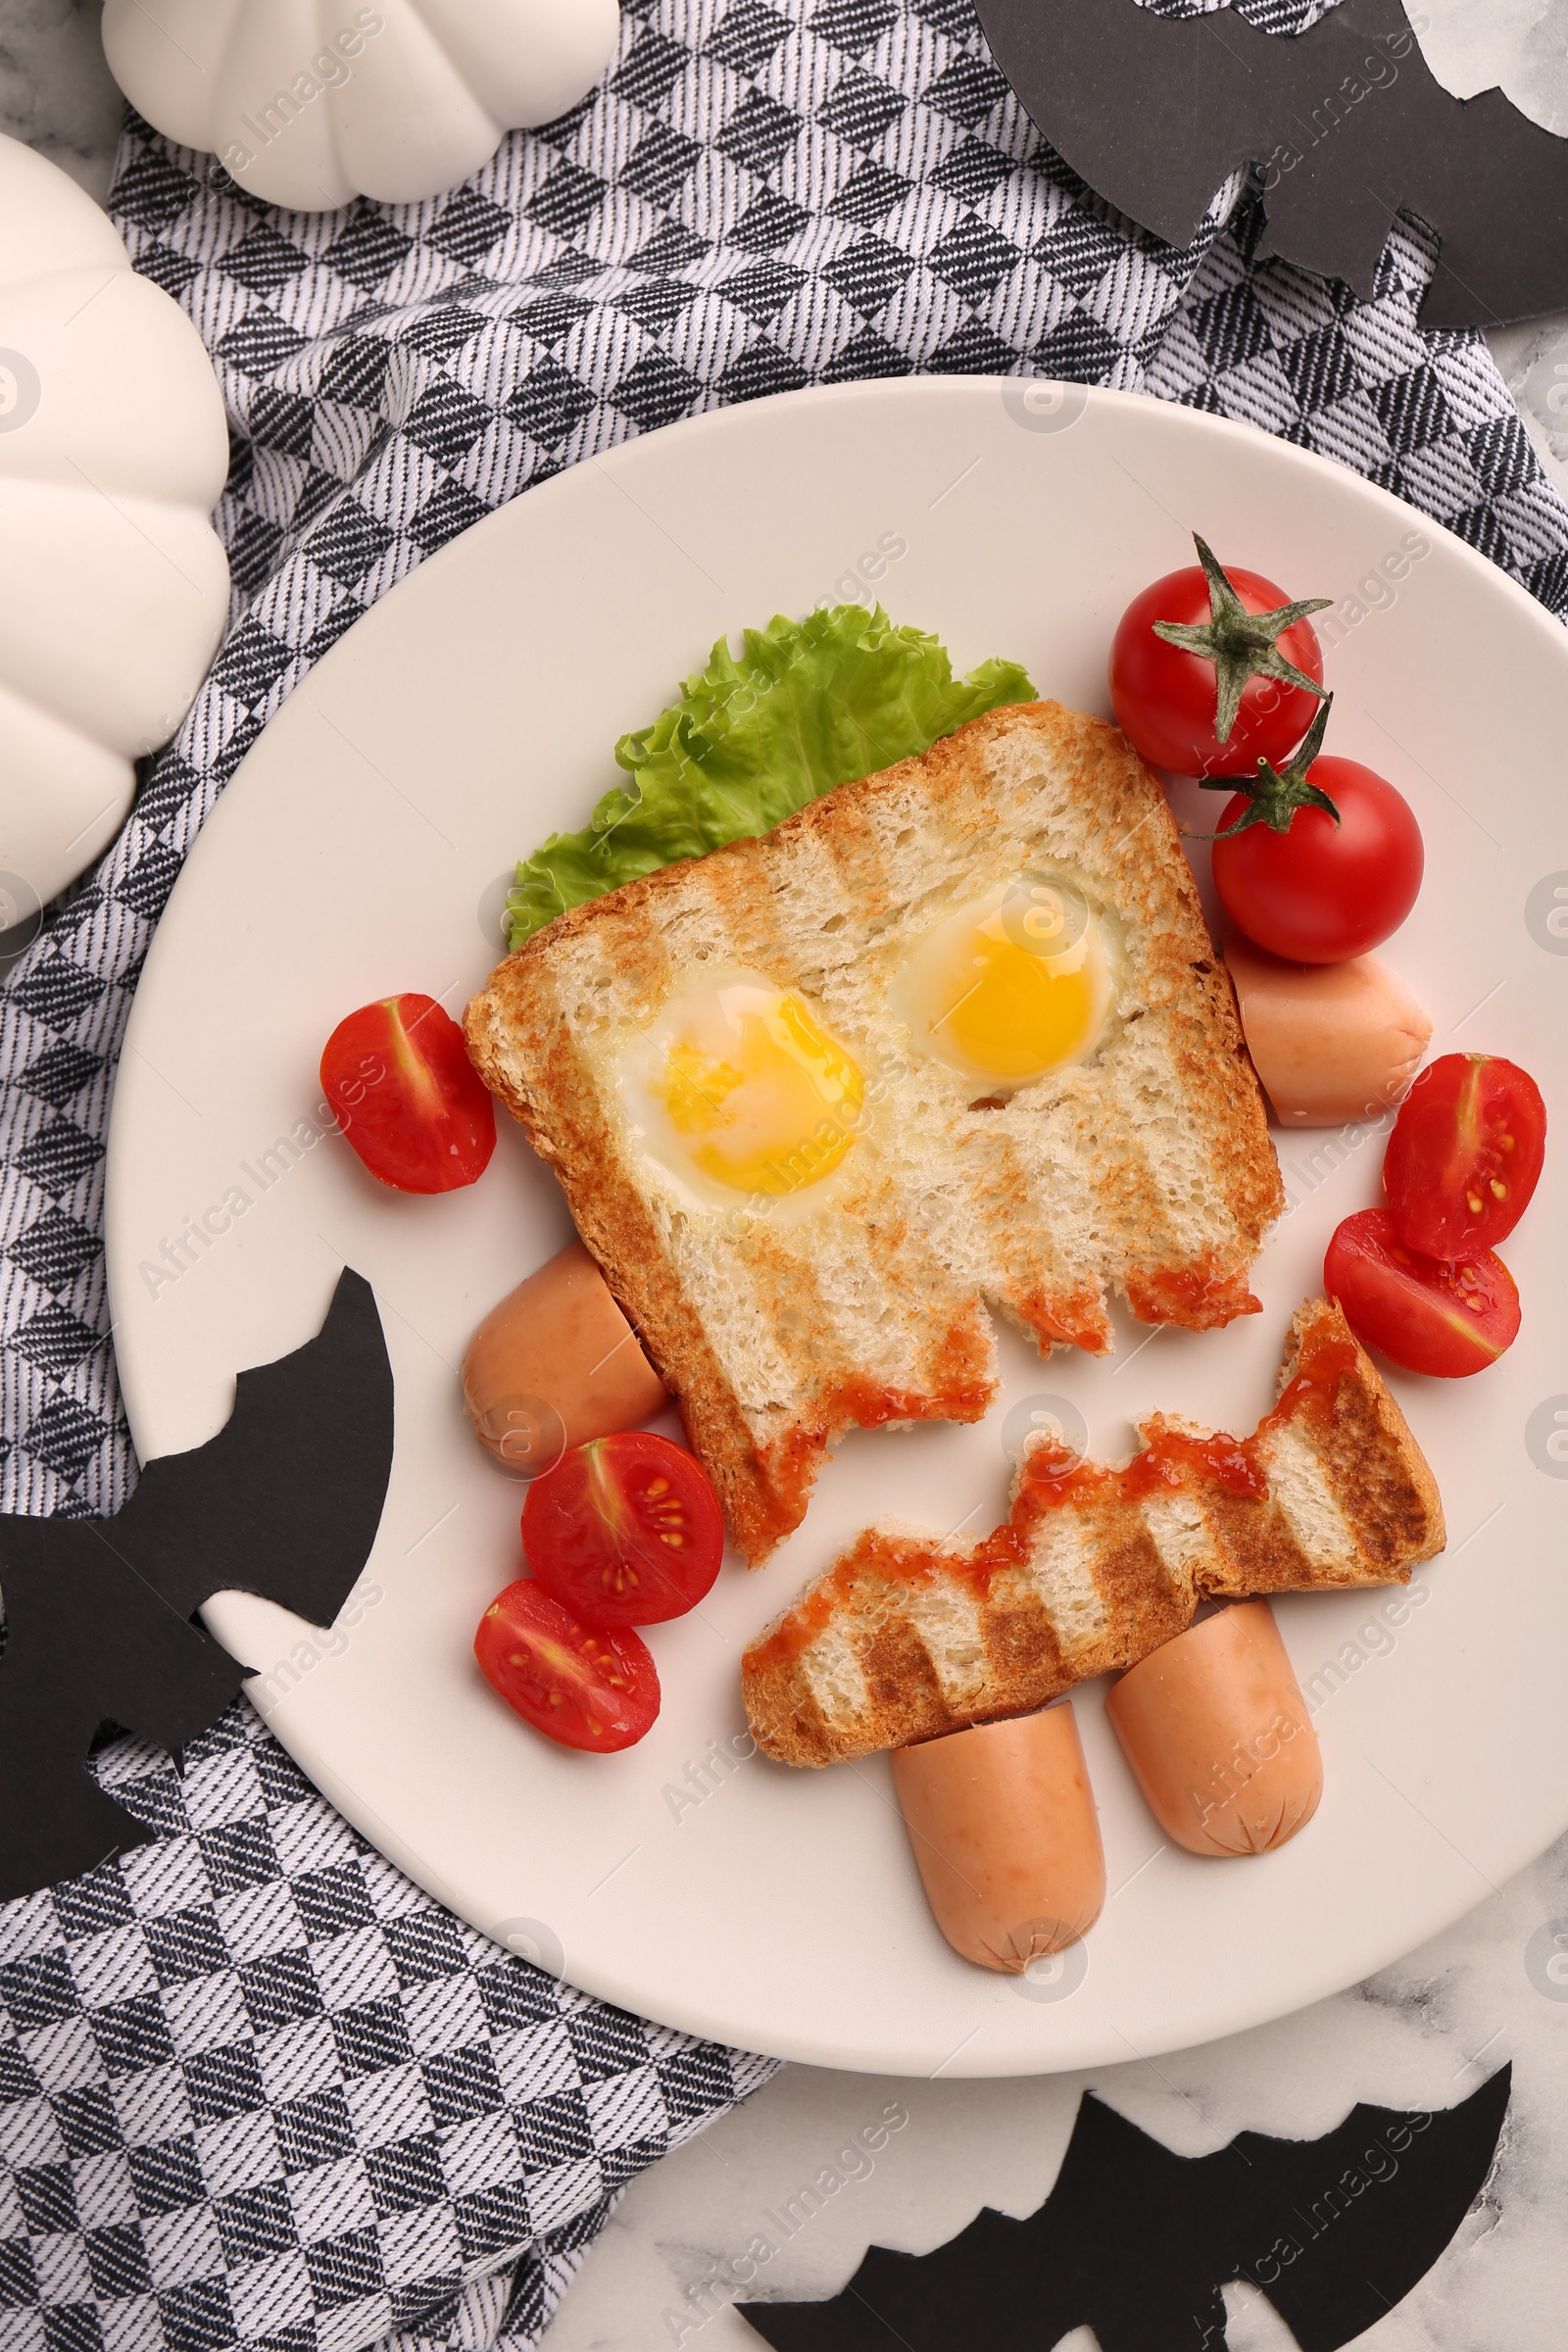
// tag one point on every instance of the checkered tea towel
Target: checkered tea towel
(255, 2089)
(1265, 16)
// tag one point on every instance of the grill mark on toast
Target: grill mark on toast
(1030, 1278)
(900, 1676)
(1256, 1548)
(1023, 1646)
(948, 1337)
(1329, 1537)
(811, 1726)
(944, 1618)
(640, 969)
(784, 1282)
(1377, 1474)
(1189, 986)
(1163, 1280)
(741, 903)
(1140, 1607)
(853, 846)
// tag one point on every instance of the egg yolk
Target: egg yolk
(1007, 988)
(762, 1098)
(1012, 1014)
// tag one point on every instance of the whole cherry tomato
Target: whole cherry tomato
(1318, 863)
(1426, 1313)
(406, 1095)
(625, 1530)
(580, 1685)
(1466, 1155)
(1212, 671)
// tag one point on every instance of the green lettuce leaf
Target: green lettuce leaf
(810, 704)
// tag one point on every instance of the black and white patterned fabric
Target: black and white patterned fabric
(256, 2090)
(1266, 16)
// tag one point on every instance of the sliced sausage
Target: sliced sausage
(555, 1363)
(1218, 1735)
(1002, 1823)
(1331, 1043)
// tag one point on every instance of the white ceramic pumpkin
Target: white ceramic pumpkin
(113, 589)
(310, 103)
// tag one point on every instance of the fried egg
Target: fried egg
(739, 1091)
(1011, 986)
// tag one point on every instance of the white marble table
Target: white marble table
(1423, 2034)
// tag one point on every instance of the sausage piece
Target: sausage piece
(1331, 1043)
(1218, 1735)
(555, 1363)
(1002, 1823)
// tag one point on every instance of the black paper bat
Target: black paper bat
(1345, 121)
(1136, 2243)
(284, 1502)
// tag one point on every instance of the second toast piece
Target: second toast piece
(907, 1639)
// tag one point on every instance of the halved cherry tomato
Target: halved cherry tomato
(1431, 1316)
(406, 1095)
(1466, 1155)
(625, 1530)
(580, 1685)
(1166, 696)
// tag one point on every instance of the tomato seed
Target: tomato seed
(1499, 1192)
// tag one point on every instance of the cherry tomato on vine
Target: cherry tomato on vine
(1466, 1155)
(583, 1686)
(1212, 671)
(1427, 1315)
(625, 1530)
(1319, 861)
(406, 1095)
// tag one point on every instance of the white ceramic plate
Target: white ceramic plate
(360, 850)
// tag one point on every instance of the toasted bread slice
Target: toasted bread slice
(905, 1639)
(1144, 1167)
